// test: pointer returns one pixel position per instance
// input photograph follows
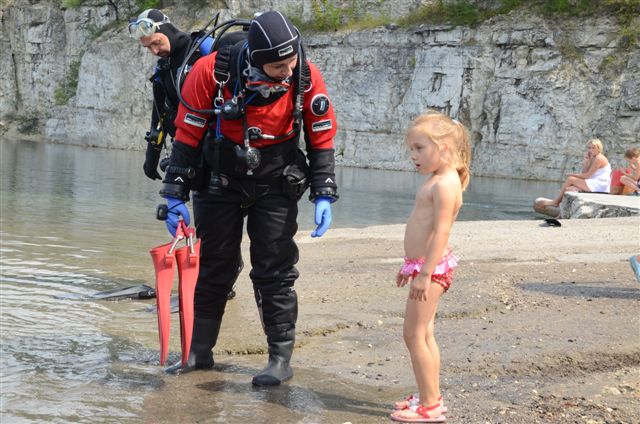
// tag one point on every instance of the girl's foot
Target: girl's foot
(413, 400)
(419, 414)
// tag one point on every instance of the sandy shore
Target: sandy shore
(542, 324)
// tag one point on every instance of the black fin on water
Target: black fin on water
(141, 291)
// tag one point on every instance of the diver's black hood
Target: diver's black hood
(178, 40)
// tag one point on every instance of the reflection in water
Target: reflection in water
(74, 221)
(374, 197)
(226, 396)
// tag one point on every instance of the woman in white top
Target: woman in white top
(595, 175)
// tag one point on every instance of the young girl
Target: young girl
(631, 179)
(631, 174)
(439, 150)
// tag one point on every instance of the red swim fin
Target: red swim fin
(188, 259)
(163, 260)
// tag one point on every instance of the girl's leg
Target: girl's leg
(430, 340)
(629, 182)
(571, 184)
(435, 354)
(418, 336)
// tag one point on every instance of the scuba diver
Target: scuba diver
(156, 33)
(244, 108)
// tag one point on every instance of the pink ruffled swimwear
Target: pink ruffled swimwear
(442, 273)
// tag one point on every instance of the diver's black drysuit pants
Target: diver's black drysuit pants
(271, 226)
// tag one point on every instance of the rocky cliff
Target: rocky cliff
(531, 90)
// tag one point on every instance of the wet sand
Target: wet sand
(541, 325)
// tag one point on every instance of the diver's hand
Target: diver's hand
(322, 216)
(176, 208)
(151, 160)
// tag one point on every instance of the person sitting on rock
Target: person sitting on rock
(595, 176)
(631, 180)
(631, 174)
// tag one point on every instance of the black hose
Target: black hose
(223, 27)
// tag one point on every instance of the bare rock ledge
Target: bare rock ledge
(598, 205)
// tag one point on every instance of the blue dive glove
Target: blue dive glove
(176, 208)
(323, 216)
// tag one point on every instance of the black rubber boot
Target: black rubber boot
(205, 335)
(278, 368)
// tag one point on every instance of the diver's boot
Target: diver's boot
(205, 335)
(278, 368)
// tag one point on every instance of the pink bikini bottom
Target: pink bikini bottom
(442, 273)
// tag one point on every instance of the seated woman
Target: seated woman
(631, 174)
(595, 175)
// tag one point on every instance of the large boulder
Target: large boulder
(598, 205)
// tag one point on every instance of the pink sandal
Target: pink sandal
(413, 400)
(422, 415)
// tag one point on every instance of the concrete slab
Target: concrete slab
(598, 205)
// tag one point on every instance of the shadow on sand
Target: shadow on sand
(586, 291)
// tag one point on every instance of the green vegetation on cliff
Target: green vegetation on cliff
(469, 12)
(333, 15)
(329, 15)
(68, 89)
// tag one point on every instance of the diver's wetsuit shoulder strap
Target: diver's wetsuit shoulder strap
(222, 67)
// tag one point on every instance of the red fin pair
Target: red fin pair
(187, 259)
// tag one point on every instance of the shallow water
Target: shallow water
(74, 221)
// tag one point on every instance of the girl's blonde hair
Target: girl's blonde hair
(596, 142)
(443, 130)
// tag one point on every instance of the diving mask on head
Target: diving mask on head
(258, 81)
(144, 27)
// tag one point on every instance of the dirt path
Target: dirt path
(542, 324)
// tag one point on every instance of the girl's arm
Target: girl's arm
(599, 162)
(635, 170)
(586, 164)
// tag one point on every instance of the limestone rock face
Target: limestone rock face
(531, 92)
(38, 43)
